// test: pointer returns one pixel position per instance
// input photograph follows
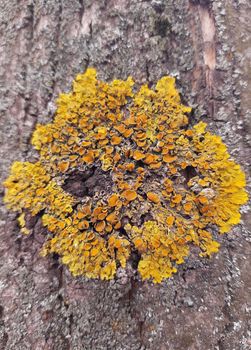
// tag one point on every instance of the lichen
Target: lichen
(147, 184)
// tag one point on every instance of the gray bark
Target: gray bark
(207, 46)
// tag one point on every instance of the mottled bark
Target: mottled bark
(207, 46)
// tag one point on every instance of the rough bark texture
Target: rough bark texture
(206, 45)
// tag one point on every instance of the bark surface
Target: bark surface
(206, 45)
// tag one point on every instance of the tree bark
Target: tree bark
(206, 45)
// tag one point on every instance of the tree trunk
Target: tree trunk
(206, 46)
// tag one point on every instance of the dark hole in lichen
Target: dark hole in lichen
(88, 182)
(55, 257)
(116, 260)
(75, 184)
(139, 164)
(146, 217)
(135, 258)
(123, 232)
(142, 193)
(189, 172)
(185, 216)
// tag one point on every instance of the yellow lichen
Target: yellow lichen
(149, 163)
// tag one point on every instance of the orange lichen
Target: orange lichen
(113, 200)
(153, 197)
(137, 158)
(129, 195)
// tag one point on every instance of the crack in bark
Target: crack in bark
(208, 35)
(54, 58)
(81, 11)
(133, 313)
(208, 30)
